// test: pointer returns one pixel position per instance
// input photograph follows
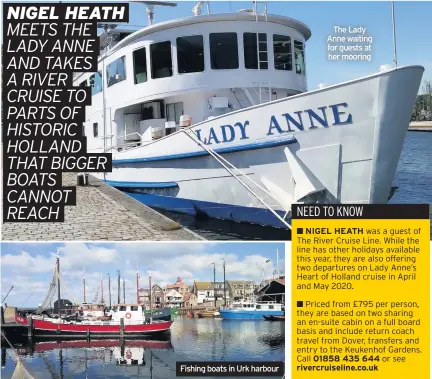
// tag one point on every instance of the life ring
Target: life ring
(128, 354)
(128, 315)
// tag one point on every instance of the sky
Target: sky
(413, 31)
(29, 267)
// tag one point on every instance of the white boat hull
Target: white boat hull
(339, 144)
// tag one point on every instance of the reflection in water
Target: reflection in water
(189, 340)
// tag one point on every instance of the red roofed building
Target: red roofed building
(181, 287)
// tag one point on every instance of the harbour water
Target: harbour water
(413, 177)
(190, 340)
(414, 172)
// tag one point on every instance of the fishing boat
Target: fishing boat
(251, 310)
(207, 313)
(123, 320)
(161, 314)
(211, 115)
(126, 319)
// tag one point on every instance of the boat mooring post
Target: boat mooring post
(122, 328)
(2, 320)
(122, 347)
(30, 328)
(3, 356)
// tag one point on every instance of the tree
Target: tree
(423, 106)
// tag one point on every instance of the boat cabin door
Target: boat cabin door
(131, 126)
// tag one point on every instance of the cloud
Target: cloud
(31, 269)
(24, 260)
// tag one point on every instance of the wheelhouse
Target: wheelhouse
(257, 306)
(128, 312)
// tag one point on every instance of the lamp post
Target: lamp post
(214, 282)
(224, 281)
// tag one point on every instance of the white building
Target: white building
(173, 298)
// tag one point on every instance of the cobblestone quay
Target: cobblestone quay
(102, 213)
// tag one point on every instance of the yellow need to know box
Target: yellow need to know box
(360, 298)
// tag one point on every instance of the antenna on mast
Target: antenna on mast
(150, 7)
(394, 34)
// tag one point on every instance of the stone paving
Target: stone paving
(102, 213)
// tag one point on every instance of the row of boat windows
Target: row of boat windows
(190, 57)
(251, 306)
(124, 308)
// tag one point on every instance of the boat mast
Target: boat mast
(118, 287)
(137, 286)
(124, 291)
(84, 284)
(277, 263)
(102, 298)
(58, 281)
(109, 289)
(150, 293)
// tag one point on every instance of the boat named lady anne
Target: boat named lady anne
(251, 310)
(210, 114)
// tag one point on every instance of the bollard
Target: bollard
(82, 179)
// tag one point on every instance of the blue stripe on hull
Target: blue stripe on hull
(223, 150)
(141, 184)
(248, 315)
(229, 212)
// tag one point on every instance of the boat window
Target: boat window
(134, 307)
(122, 308)
(96, 83)
(299, 57)
(174, 111)
(251, 52)
(114, 309)
(224, 51)
(116, 71)
(190, 54)
(140, 65)
(271, 306)
(282, 52)
(258, 307)
(95, 129)
(161, 63)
